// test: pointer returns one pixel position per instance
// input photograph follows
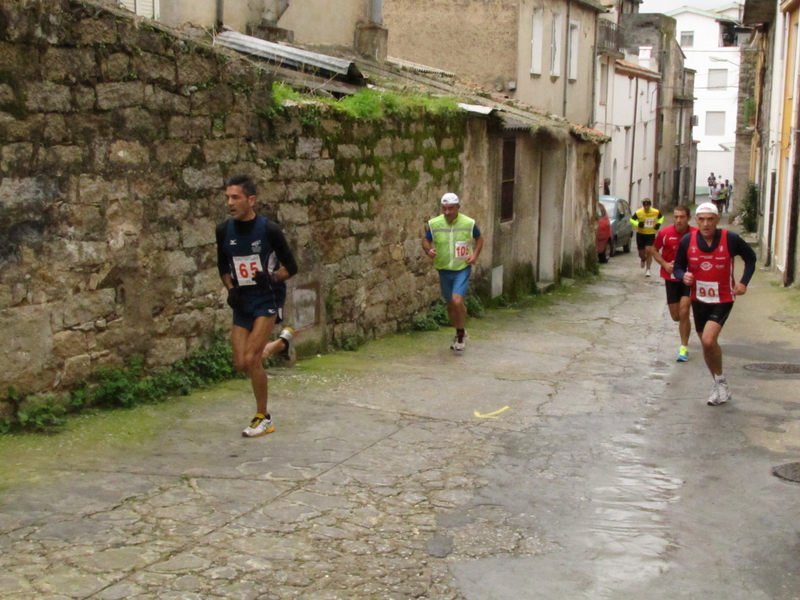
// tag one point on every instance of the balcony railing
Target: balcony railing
(609, 37)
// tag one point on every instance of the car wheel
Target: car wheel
(613, 251)
(605, 254)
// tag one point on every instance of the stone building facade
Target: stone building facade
(116, 137)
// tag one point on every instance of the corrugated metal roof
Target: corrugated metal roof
(476, 108)
(512, 124)
(286, 55)
(407, 64)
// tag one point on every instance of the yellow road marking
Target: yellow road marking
(491, 414)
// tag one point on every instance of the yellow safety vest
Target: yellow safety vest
(453, 242)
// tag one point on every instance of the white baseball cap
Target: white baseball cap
(450, 198)
(707, 207)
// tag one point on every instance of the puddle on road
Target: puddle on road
(628, 532)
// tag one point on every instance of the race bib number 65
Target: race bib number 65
(649, 222)
(708, 292)
(462, 250)
(246, 268)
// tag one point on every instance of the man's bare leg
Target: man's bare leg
(712, 353)
(248, 347)
(457, 310)
(684, 323)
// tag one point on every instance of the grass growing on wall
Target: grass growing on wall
(370, 104)
(124, 388)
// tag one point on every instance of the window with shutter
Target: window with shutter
(537, 41)
(144, 8)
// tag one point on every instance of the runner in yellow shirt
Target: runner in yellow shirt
(647, 220)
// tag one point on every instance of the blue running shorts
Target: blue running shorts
(454, 282)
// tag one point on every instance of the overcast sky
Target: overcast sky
(663, 6)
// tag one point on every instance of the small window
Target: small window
(687, 39)
(507, 185)
(574, 31)
(727, 34)
(537, 41)
(644, 141)
(627, 152)
(555, 47)
(717, 79)
(715, 123)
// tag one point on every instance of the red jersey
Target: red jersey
(713, 271)
(667, 241)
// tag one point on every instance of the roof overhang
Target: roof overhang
(789, 5)
(624, 67)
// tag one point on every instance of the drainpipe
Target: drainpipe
(376, 11)
(593, 115)
(633, 141)
(220, 13)
(568, 47)
(657, 146)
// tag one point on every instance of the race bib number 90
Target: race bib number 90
(246, 268)
(708, 292)
(462, 250)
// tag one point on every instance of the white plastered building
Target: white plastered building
(711, 46)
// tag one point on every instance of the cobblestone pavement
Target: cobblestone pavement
(399, 471)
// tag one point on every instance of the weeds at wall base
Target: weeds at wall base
(124, 387)
(438, 317)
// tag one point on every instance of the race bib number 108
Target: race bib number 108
(462, 250)
(246, 268)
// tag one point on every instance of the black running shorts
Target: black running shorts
(676, 290)
(643, 240)
(704, 312)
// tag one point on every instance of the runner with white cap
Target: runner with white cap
(705, 262)
(454, 242)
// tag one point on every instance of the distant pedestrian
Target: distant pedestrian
(713, 195)
(607, 187)
(705, 263)
(454, 242)
(254, 261)
(711, 180)
(722, 200)
(647, 220)
(664, 251)
(729, 196)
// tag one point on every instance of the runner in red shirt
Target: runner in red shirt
(705, 262)
(664, 251)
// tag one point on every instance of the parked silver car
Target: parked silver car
(619, 213)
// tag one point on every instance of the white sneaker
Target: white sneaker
(713, 399)
(260, 425)
(641, 264)
(647, 273)
(723, 392)
(288, 354)
(459, 346)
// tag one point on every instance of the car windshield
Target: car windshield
(609, 204)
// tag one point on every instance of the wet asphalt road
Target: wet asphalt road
(564, 455)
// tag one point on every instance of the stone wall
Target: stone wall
(115, 140)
